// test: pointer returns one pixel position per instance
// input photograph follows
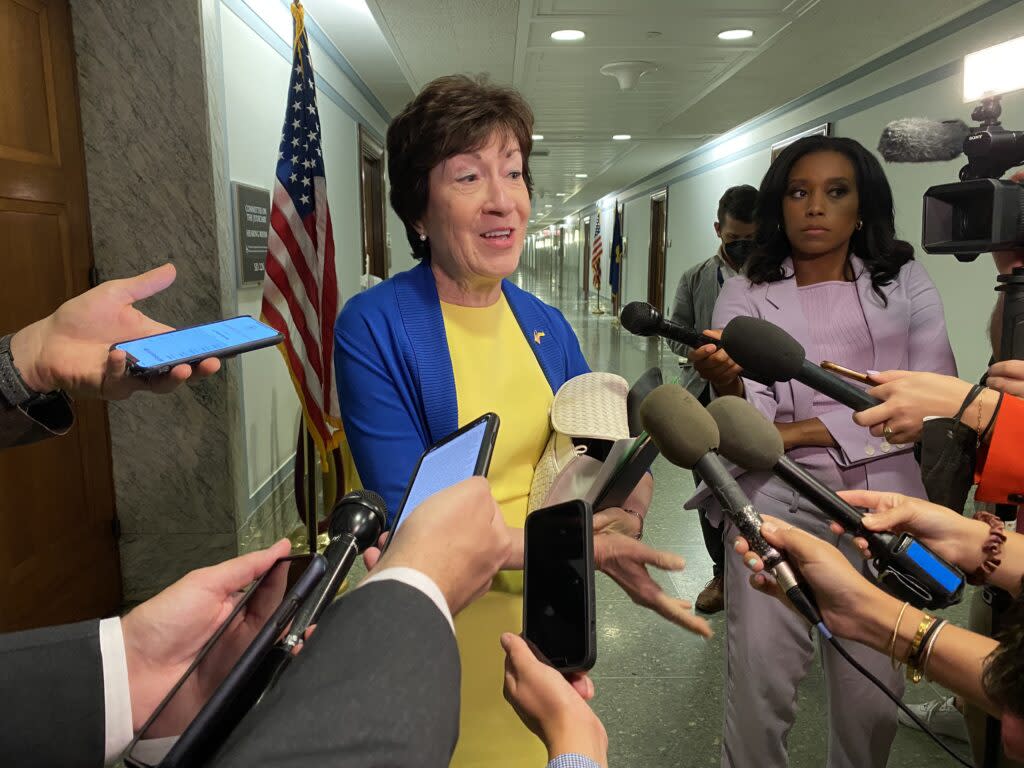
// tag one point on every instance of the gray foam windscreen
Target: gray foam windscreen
(762, 348)
(679, 425)
(746, 437)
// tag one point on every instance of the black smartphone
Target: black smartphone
(206, 704)
(558, 586)
(158, 354)
(630, 467)
(463, 454)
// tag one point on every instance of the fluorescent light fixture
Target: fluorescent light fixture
(547, 205)
(735, 34)
(559, 194)
(994, 71)
(538, 137)
(563, 35)
(621, 137)
(581, 175)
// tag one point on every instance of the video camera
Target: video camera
(981, 212)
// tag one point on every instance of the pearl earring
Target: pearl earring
(423, 238)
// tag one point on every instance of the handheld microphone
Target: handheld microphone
(910, 570)
(642, 319)
(688, 436)
(919, 140)
(356, 523)
(773, 355)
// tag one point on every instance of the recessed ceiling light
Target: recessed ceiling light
(538, 137)
(559, 194)
(622, 137)
(581, 175)
(735, 34)
(568, 34)
(547, 205)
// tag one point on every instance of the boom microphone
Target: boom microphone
(356, 523)
(771, 354)
(908, 568)
(642, 319)
(919, 140)
(687, 435)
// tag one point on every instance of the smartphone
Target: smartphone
(863, 378)
(158, 354)
(206, 704)
(612, 490)
(463, 454)
(558, 586)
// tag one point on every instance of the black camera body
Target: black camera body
(980, 213)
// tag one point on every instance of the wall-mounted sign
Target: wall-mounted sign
(252, 226)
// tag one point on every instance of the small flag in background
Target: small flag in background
(300, 287)
(597, 252)
(615, 265)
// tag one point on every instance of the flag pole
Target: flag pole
(312, 461)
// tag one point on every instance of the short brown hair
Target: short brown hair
(451, 115)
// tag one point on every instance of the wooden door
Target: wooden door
(656, 263)
(371, 188)
(58, 554)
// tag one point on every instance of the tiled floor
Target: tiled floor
(659, 689)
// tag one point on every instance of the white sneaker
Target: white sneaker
(941, 715)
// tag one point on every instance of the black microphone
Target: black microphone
(356, 523)
(771, 354)
(919, 140)
(687, 435)
(908, 568)
(642, 319)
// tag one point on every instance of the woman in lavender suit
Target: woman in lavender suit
(830, 271)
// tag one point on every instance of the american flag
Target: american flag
(300, 288)
(597, 252)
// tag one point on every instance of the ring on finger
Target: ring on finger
(887, 432)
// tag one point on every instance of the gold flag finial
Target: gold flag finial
(298, 13)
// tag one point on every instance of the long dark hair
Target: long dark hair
(875, 242)
(1003, 674)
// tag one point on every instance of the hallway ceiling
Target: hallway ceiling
(703, 86)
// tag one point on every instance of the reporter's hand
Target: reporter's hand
(551, 706)
(909, 397)
(953, 537)
(70, 349)
(716, 367)
(163, 635)
(847, 601)
(1007, 376)
(458, 538)
(625, 560)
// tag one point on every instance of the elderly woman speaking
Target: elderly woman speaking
(431, 349)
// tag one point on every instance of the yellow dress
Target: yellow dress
(495, 370)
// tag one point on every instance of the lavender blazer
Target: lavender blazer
(909, 333)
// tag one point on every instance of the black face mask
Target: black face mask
(738, 251)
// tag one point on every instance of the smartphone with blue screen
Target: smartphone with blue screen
(460, 456)
(155, 355)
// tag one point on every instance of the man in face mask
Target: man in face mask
(695, 301)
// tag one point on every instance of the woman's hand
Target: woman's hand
(910, 397)
(1007, 376)
(953, 537)
(716, 367)
(629, 518)
(806, 432)
(850, 605)
(626, 560)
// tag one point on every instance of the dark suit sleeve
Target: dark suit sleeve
(376, 685)
(49, 418)
(51, 697)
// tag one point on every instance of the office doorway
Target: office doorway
(659, 246)
(372, 203)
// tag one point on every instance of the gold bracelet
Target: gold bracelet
(895, 634)
(913, 655)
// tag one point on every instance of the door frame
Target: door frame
(658, 253)
(370, 148)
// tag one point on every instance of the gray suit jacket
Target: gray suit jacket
(693, 307)
(376, 685)
(51, 697)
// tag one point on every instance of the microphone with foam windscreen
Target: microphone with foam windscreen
(687, 436)
(909, 569)
(643, 319)
(771, 354)
(356, 523)
(919, 140)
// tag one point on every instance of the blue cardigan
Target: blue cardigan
(395, 381)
